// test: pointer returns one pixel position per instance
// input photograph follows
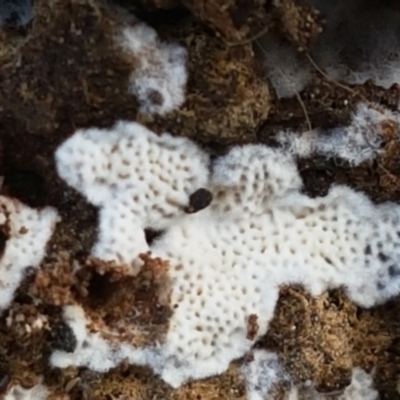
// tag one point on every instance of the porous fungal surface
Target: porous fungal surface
(228, 260)
(24, 235)
(140, 180)
(228, 227)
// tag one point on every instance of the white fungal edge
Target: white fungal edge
(159, 75)
(29, 232)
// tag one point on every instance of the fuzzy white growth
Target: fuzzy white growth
(361, 387)
(302, 145)
(261, 374)
(159, 77)
(91, 349)
(287, 71)
(358, 142)
(97, 353)
(37, 392)
(140, 180)
(228, 260)
(27, 231)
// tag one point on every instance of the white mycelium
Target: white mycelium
(159, 75)
(362, 140)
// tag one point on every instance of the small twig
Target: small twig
(249, 40)
(387, 172)
(329, 78)
(303, 106)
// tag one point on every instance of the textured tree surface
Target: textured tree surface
(63, 72)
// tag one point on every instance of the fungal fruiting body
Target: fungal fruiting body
(138, 179)
(228, 260)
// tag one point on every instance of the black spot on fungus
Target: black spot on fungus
(63, 338)
(151, 235)
(328, 260)
(155, 97)
(394, 271)
(3, 241)
(367, 250)
(199, 200)
(380, 286)
(383, 257)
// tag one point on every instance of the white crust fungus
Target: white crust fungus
(27, 231)
(138, 180)
(228, 260)
(159, 73)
